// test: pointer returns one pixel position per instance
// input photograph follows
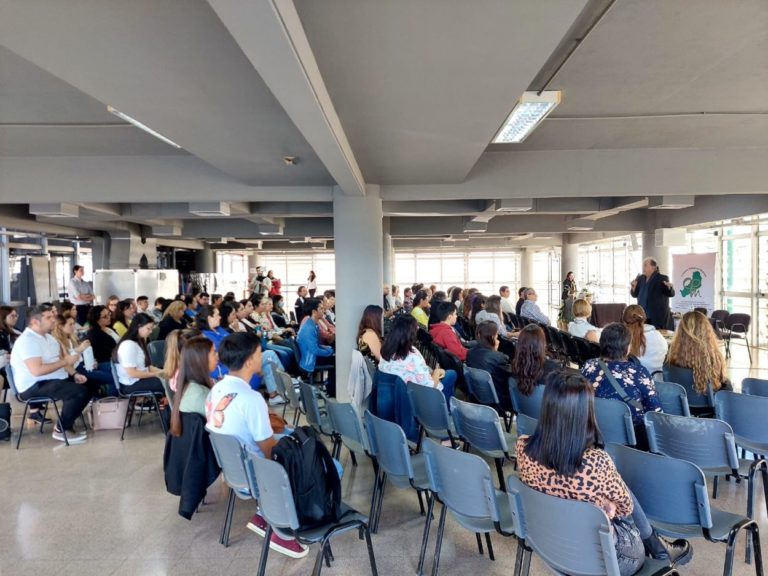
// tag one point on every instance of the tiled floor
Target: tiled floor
(101, 508)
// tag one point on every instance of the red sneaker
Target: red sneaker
(291, 548)
(258, 525)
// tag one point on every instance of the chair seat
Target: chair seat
(474, 524)
(754, 447)
(511, 440)
(651, 567)
(722, 522)
(420, 477)
(351, 517)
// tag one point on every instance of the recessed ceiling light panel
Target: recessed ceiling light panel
(527, 114)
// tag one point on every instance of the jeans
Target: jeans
(101, 375)
(641, 521)
(269, 363)
(449, 383)
(74, 396)
(284, 353)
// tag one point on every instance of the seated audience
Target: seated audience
(298, 307)
(310, 345)
(112, 307)
(134, 371)
(281, 318)
(520, 300)
(208, 322)
(233, 408)
(492, 312)
(530, 309)
(443, 333)
(408, 300)
(401, 358)
(456, 297)
(157, 310)
(695, 346)
(329, 305)
(420, 308)
(437, 298)
(531, 366)
(216, 300)
(101, 337)
(99, 384)
(614, 376)
(174, 343)
(564, 458)
(173, 319)
(193, 382)
(506, 305)
(580, 326)
(8, 335)
(646, 343)
(369, 332)
(486, 356)
(142, 305)
(126, 310)
(397, 301)
(274, 337)
(40, 370)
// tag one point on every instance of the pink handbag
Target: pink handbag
(109, 413)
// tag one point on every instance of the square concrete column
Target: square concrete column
(358, 239)
(569, 259)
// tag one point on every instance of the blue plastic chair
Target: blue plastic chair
(348, 427)
(528, 405)
(673, 495)
(571, 537)
(482, 390)
(156, 350)
(615, 421)
(479, 427)
(431, 413)
(700, 404)
(673, 398)
(463, 484)
(754, 386)
(279, 510)
(525, 425)
(317, 418)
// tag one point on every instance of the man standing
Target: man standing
(39, 370)
(530, 309)
(80, 294)
(653, 291)
(506, 305)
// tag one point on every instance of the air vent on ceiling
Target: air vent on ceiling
(210, 209)
(55, 210)
(580, 225)
(514, 205)
(670, 202)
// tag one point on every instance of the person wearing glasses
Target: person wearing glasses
(530, 309)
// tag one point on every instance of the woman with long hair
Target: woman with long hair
(485, 355)
(564, 457)
(174, 342)
(173, 319)
(695, 347)
(456, 297)
(478, 305)
(134, 370)
(279, 314)
(112, 306)
(126, 309)
(193, 383)
(369, 332)
(312, 283)
(645, 342)
(491, 312)
(531, 365)
(8, 335)
(99, 380)
(400, 357)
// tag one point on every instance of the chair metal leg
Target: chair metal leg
(371, 557)
(755, 533)
(353, 458)
(23, 422)
(329, 554)
(44, 412)
(490, 546)
(131, 402)
(746, 343)
(714, 488)
(439, 543)
(500, 472)
(265, 552)
(425, 536)
(58, 419)
(421, 503)
(224, 539)
(479, 543)
(374, 497)
(159, 414)
(380, 502)
(729, 552)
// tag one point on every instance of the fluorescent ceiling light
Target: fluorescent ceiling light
(144, 127)
(210, 209)
(55, 210)
(670, 202)
(527, 114)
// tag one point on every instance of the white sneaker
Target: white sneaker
(72, 437)
(276, 400)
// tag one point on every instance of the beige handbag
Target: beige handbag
(109, 413)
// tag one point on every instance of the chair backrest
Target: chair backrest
(429, 409)
(571, 537)
(507, 346)
(115, 377)
(285, 385)
(587, 349)
(571, 348)
(615, 421)
(706, 442)
(754, 387)
(738, 322)
(311, 407)
(346, 422)
(479, 425)
(525, 425)
(670, 490)
(156, 350)
(720, 316)
(480, 386)
(270, 480)
(684, 377)
(522, 404)
(387, 443)
(229, 454)
(746, 416)
(461, 481)
(11, 381)
(673, 398)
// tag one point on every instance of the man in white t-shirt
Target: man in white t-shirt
(235, 409)
(39, 370)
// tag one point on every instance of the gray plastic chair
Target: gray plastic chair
(156, 349)
(699, 403)
(294, 400)
(528, 405)
(483, 391)
(673, 398)
(229, 454)
(347, 425)
(279, 510)
(389, 446)
(463, 484)
(754, 387)
(479, 427)
(673, 495)
(316, 418)
(431, 413)
(571, 537)
(125, 392)
(615, 421)
(525, 425)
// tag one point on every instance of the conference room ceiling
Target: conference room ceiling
(662, 97)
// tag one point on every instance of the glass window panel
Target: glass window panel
(737, 265)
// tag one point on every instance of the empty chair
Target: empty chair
(673, 495)
(571, 537)
(156, 349)
(754, 387)
(318, 419)
(347, 425)
(720, 317)
(479, 427)
(481, 389)
(528, 405)
(737, 326)
(431, 412)
(673, 398)
(279, 510)
(282, 383)
(229, 453)
(291, 394)
(615, 421)
(462, 483)
(525, 425)
(700, 404)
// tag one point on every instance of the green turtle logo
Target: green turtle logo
(692, 285)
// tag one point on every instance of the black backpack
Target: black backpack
(5, 415)
(314, 479)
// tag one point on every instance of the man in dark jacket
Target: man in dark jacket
(653, 291)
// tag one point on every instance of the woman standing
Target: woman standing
(568, 295)
(312, 284)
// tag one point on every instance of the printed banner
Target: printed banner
(694, 280)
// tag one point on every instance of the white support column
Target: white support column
(569, 258)
(389, 254)
(5, 266)
(658, 253)
(205, 260)
(358, 239)
(526, 268)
